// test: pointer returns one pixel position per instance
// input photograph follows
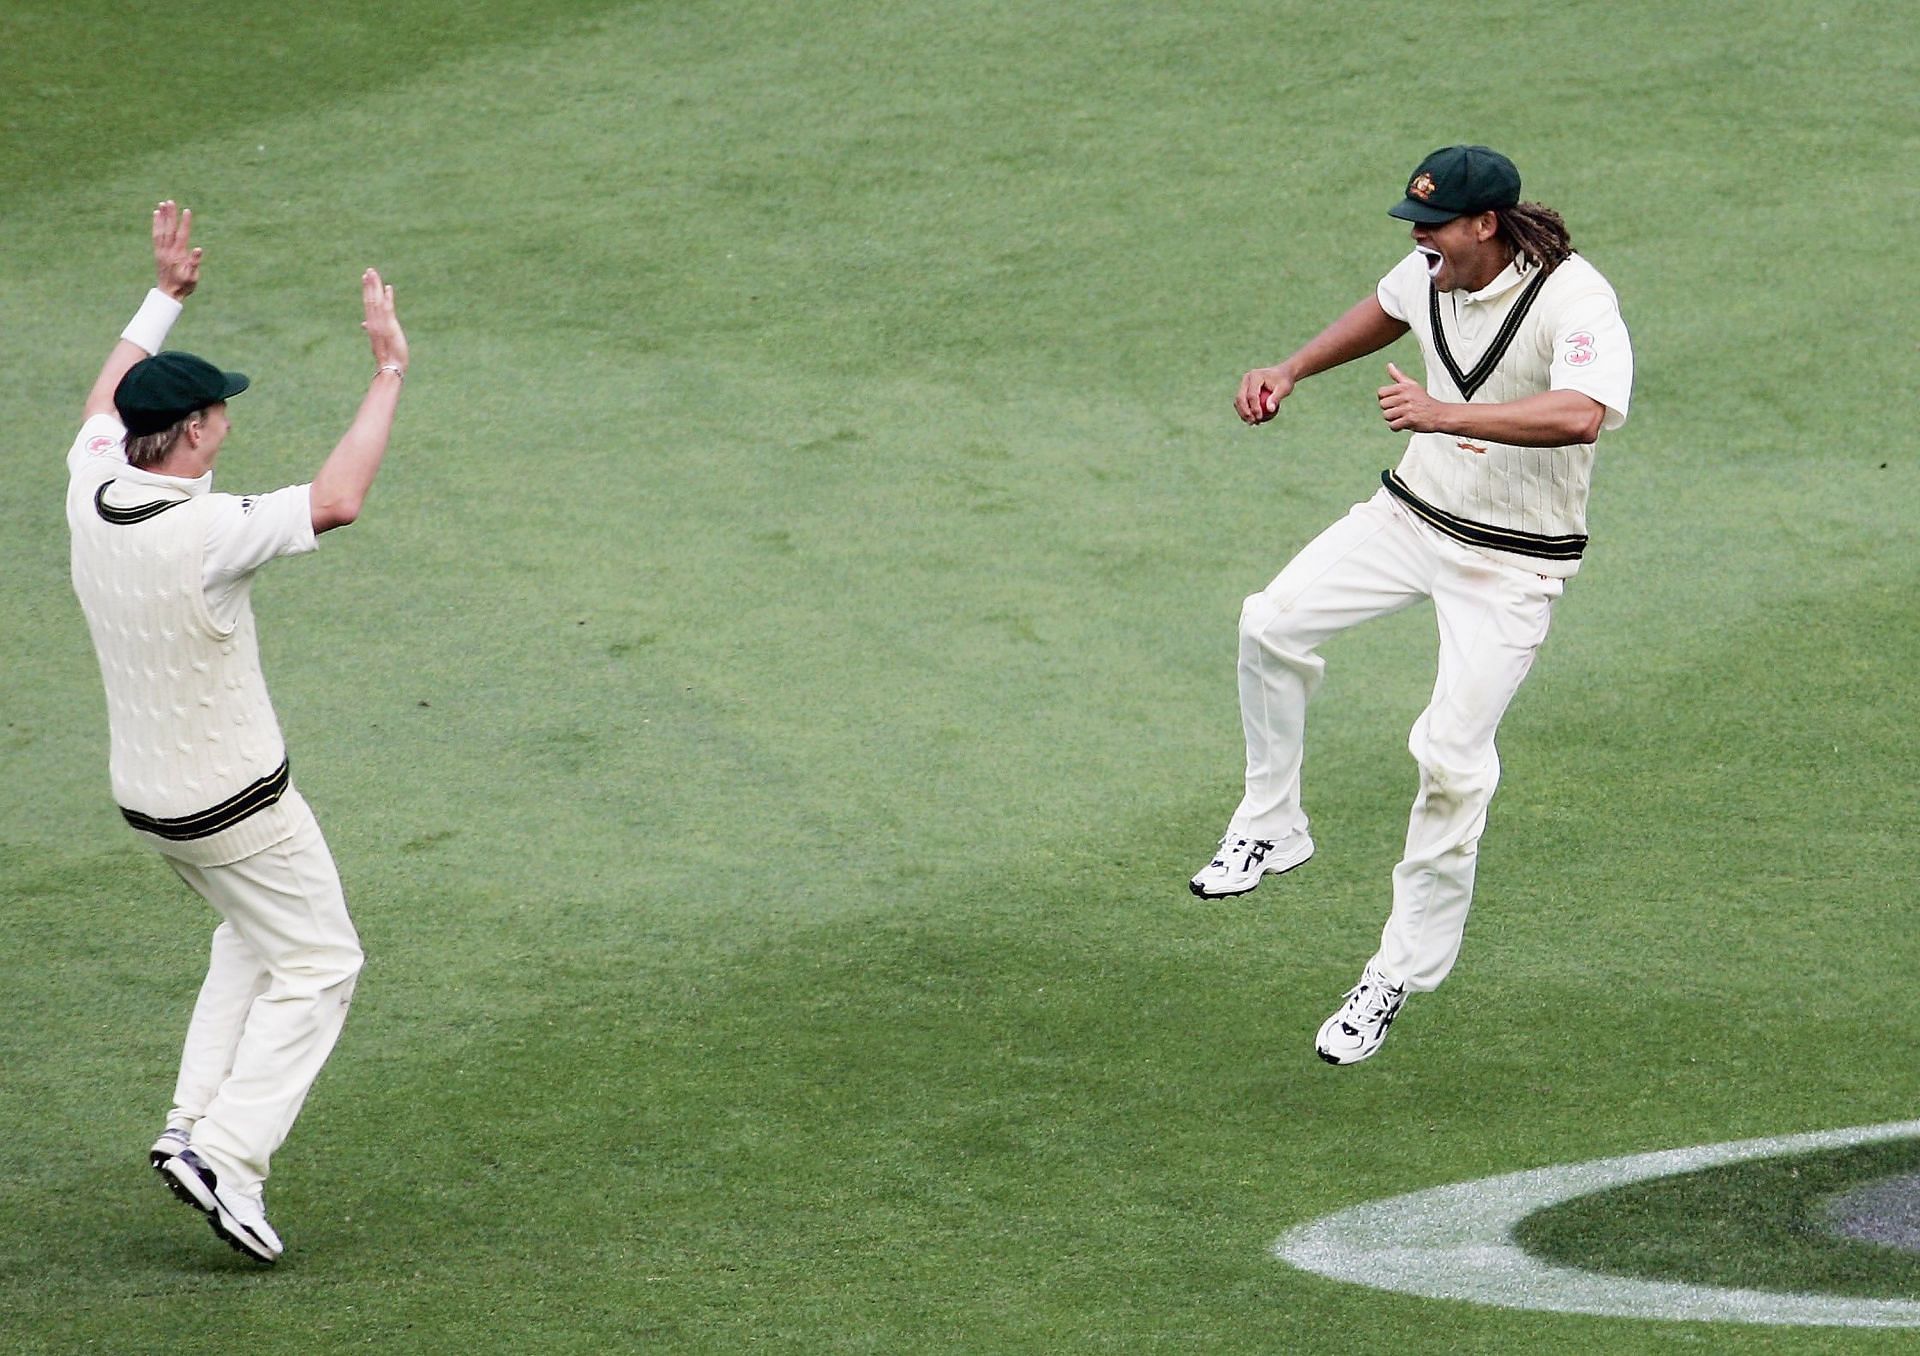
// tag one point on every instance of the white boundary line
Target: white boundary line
(1456, 1242)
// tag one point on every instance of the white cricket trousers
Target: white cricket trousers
(1492, 618)
(283, 967)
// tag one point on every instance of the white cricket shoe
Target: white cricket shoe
(240, 1220)
(171, 1142)
(1240, 863)
(1357, 1029)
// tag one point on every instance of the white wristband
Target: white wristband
(151, 323)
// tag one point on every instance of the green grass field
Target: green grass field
(784, 674)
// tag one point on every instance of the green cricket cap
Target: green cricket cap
(1457, 181)
(160, 391)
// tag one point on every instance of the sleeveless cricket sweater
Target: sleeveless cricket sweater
(1524, 505)
(198, 764)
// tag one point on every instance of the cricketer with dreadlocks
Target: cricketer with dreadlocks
(1527, 361)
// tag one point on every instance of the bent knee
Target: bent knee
(1263, 619)
(348, 971)
(332, 969)
(1456, 775)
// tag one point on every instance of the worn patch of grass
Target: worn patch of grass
(1678, 1228)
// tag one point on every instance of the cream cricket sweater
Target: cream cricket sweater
(198, 764)
(1521, 335)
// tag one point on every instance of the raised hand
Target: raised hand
(382, 323)
(343, 480)
(174, 259)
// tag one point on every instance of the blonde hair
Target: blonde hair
(148, 449)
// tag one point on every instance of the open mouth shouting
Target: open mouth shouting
(1433, 257)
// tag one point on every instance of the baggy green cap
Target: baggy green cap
(1457, 181)
(160, 391)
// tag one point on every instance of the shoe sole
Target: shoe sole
(1344, 1061)
(1201, 891)
(189, 1187)
(240, 1238)
(1338, 1062)
(157, 1156)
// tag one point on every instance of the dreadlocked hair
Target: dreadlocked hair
(1535, 231)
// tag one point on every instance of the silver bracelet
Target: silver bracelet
(394, 368)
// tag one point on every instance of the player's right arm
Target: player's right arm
(1365, 328)
(349, 470)
(177, 265)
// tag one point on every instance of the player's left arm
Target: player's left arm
(177, 265)
(1550, 419)
(1590, 381)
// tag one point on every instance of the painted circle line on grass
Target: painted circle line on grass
(1456, 1242)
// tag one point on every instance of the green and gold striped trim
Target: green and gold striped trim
(1568, 547)
(225, 815)
(139, 513)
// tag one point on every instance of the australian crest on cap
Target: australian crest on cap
(1421, 186)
